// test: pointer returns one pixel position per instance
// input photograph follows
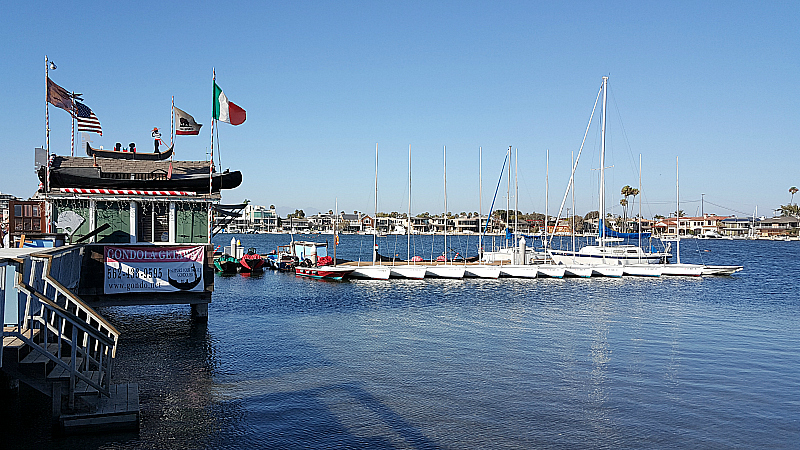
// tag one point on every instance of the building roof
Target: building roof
(779, 220)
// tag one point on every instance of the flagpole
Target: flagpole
(172, 136)
(47, 126)
(73, 124)
(211, 159)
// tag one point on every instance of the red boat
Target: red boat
(324, 272)
(251, 261)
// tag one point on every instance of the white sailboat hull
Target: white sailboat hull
(375, 272)
(682, 270)
(607, 270)
(481, 271)
(518, 271)
(721, 270)
(619, 255)
(444, 271)
(409, 272)
(550, 270)
(578, 271)
(643, 270)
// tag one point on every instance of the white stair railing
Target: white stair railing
(65, 322)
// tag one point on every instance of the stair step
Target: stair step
(13, 342)
(35, 357)
(60, 373)
(83, 388)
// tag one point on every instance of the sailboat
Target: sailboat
(478, 270)
(601, 256)
(410, 269)
(640, 269)
(445, 270)
(520, 257)
(682, 269)
(373, 271)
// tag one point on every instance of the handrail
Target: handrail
(93, 338)
(75, 320)
(77, 324)
(68, 293)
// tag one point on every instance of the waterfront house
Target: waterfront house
(739, 226)
(778, 226)
(255, 219)
(707, 224)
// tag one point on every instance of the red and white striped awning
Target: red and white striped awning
(124, 192)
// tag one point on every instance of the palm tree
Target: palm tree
(634, 192)
(624, 203)
(790, 210)
(792, 190)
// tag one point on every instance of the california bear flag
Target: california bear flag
(185, 123)
(225, 110)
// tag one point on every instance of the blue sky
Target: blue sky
(712, 83)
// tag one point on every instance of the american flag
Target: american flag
(87, 121)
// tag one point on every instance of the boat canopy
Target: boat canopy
(616, 234)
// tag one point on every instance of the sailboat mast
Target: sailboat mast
(410, 223)
(603, 166)
(677, 213)
(335, 236)
(508, 192)
(516, 202)
(445, 204)
(374, 235)
(480, 202)
(546, 201)
(640, 209)
(572, 219)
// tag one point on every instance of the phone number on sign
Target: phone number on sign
(133, 272)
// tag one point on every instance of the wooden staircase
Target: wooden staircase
(63, 348)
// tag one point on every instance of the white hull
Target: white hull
(549, 270)
(445, 271)
(721, 270)
(481, 271)
(518, 271)
(372, 272)
(410, 272)
(682, 270)
(578, 271)
(594, 255)
(607, 270)
(643, 270)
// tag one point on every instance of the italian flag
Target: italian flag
(225, 110)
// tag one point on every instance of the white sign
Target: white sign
(153, 269)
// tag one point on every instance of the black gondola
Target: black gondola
(114, 154)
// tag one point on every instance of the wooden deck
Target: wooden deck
(119, 412)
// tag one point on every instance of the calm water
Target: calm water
(574, 363)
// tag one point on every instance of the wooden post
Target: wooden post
(200, 312)
(56, 400)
